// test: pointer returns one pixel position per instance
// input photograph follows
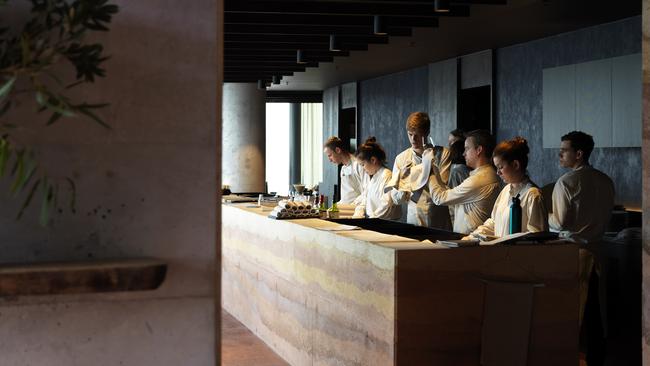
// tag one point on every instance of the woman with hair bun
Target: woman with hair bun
(375, 202)
(511, 159)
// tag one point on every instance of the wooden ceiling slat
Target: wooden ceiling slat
(342, 8)
(298, 38)
(311, 30)
(327, 20)
(293, 46)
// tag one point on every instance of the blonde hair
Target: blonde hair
(418, 121)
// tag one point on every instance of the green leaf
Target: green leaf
(73, 194)
(6, 88)
(5, 154)
(18, 171)
(47, 204)
(5, 108)
(28, 199)
(53, 118)
(94, 117)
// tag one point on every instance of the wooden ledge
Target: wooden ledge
(57, 278)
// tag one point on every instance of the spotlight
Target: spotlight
(441, 6)
(334, 43)
(380, 26)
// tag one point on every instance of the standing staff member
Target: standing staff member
(410, 175)
(475, 196)
(511, 159)
(375, 201)
(583, 199)
(352, 173)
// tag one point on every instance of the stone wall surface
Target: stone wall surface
(145, 188)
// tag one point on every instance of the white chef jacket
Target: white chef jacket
(352, 176)
(375, 201)
(473, 199)
(457, 174)
(533, 212)
(421, 210)
(582, 203)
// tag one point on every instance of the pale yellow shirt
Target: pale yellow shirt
(533, 212)
(473, 198)
(582, 203)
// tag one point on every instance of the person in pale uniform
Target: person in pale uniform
(583, 199)
(455, 135)
(409, 171)
(375, 201)
(474, 198)
(459, 171)
(511, 159)
(352, 173)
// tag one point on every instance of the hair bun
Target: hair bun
(521, 143)
(370, 140)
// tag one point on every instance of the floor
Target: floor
(240, 347)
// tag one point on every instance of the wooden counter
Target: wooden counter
(363, 298)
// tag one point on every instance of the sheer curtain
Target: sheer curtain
(277, 147)
(311, 151)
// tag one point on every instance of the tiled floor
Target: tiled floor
(240, 347)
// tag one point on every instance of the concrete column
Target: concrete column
(295, 174)
(244, 137)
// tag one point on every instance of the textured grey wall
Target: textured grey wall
(443, 93)
(519, 99)
(476, 70)
(148, 187)
(385, 102)
(330, 128)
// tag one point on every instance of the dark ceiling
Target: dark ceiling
(262, 37)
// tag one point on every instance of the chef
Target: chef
(352, 174)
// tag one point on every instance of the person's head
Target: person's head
(479, 145)
(456, 151)
(455, 135)
(575, 149)
(335, 150)
(418, 126)
(510, 157)
(371, 156)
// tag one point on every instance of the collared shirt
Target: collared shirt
(582, 203)
(533, 212)
(352, 176)
(375, 202)
(421, 210)
(473, 199)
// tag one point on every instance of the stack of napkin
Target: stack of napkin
(293, 210)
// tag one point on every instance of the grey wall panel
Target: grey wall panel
(476, 70)
(559, 103)
(330, 128)
(626, 100)
(442, 99)
(386, 102)
(519, 99)
(349, 95)
(594, 100)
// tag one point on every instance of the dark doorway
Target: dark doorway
(348, 127)
(475, 108)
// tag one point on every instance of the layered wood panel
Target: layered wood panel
(322, 298)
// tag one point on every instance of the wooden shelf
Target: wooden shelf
(57, 278)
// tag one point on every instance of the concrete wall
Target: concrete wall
(519, 99)
(145, 188)
(386, 102)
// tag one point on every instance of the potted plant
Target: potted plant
(33, 58)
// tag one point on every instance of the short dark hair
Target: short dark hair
(458, 133)
(370, 149)
(580, 141)
(333, 142)
(456, 151)
(511, 150)
(484, 139)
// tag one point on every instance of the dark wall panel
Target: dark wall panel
(519, 99)
(330, 128)
(385, 103)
